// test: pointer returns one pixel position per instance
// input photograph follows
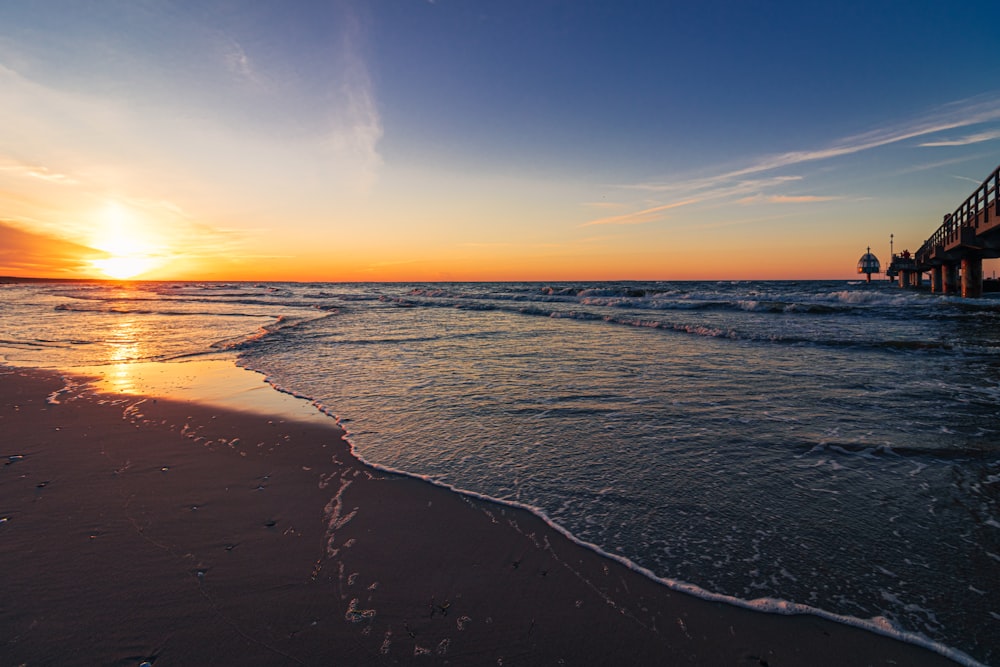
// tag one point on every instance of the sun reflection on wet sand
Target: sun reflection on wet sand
(217, 382)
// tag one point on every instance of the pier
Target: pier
(954, 254)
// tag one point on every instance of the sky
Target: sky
(420, 140)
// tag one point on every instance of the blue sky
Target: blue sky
(658, 87)
(522, 140)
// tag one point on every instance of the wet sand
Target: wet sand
(135, 529)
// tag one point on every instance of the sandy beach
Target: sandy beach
(138, 529)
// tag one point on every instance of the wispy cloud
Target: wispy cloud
(966, 140)
(35, 171)
(503, 244)
(736, 222)
(157, 206)
(708, 183)
(640, 217)
(924, 166)
(603, 204)
(752, 182)
(798, 199)
(357, 130)
(959, 114)
(237, 60)
(785, 199)
(702, 190)
(356, 126)
(239, 63)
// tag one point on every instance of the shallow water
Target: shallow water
(830, 444)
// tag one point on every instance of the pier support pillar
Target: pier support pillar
(951, 285)
(904, 278)
(937, 279)
(972, 277)
(916, 279)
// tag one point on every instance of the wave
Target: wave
(844, 302)
(865, 297)
(281, 325)
(124, 310)
(122, 303)
(711, 331)
(876, 341)
(39, 344)
(852, 449)
(184, 293)
(218, 289)
(764, 299)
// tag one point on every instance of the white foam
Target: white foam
(875, 297)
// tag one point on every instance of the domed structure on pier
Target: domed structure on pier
(869, 264)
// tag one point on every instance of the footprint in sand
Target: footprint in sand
(355, 615)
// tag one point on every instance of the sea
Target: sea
(828, 447)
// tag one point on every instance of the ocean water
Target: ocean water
(832, 445)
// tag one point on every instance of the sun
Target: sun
(124, 267)
(129, 247)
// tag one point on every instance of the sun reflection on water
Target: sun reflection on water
(124, 347)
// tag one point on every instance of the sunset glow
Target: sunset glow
(122, 267)
(410, 141)
(128, 245)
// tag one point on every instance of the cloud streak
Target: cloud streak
(964, 113)
(237, 60)
(356, 126)
(965, 141)
(959, 114)
(785, 199)
(640, 217)
(748, 184)
(603, 204)
(35, 171)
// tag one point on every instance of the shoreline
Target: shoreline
(773, 606)
(266, 541)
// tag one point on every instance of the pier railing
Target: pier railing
(980, 209)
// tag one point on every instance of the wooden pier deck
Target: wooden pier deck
(954, 253)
